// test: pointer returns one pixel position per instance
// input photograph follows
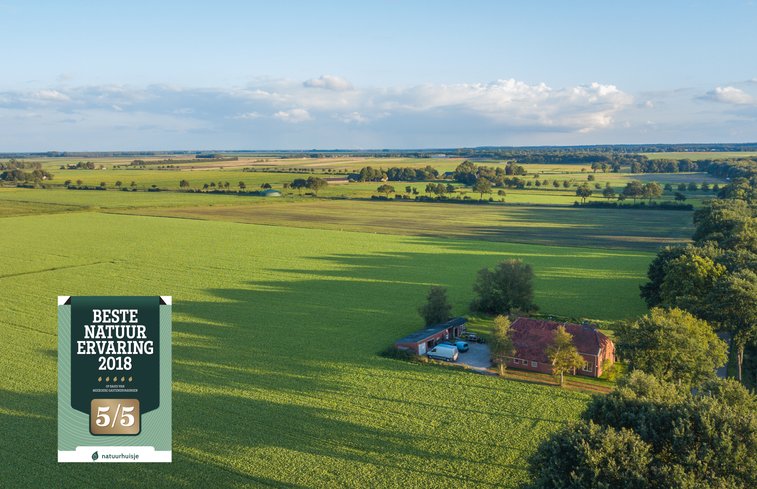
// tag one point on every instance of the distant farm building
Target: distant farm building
(422, 341)
(532, 337)
(270, 193)
(337, 180)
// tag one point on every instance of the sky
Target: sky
(136, 75)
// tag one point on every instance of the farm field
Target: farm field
(253, 180)
(262, 161)
(17, 201)
(281, 308)
(278, 172)
(568, 226)
(276, 332)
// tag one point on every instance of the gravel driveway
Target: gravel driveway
(477, 357)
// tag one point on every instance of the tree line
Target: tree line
(672, 423)
(396, 174)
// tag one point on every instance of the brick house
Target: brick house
(532, 337)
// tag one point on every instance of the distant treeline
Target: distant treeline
(735, 168)
(557, 154)
(466, 173)
(717, 167)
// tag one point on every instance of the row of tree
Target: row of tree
(314, 184)
(468, 173)
(396, 174)
(18, 175)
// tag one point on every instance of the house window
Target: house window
(586, 368)
(517, 361)
(534, 364)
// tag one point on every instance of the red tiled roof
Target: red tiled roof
(531, 338)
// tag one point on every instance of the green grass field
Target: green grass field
(276, 332)
(565, 226)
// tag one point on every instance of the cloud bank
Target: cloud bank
(329, 111)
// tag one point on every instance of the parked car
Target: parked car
(444, 352)
(472, 337)
(462, 346)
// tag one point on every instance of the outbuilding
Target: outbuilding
(421, 341)
(532, 337)
(270, 193)
(337, 180)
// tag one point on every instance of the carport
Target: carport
(421, 341)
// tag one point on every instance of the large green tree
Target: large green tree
(298, 184)
(482, 186)
(587, 455)
(707, 439)
(672, 345)
(501, 342)
(584, 192)
(563, 354)
(651, 190)
(509, 286)
(316, 184)
(688, 281)
(653, 434)
(465, 173)
(650, 291)
(729, 223)
(437, 308)
(733, 305)
(634, 190)
(385, 189)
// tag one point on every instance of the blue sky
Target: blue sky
(298, 75)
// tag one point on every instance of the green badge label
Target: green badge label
(114, 378)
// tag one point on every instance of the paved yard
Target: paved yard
(477, 357)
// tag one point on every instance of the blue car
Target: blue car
(462, 346)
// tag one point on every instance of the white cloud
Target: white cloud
(516, 103)
(293, 116)
(729, 95)
(248, 116)
(353, 118)
(329, 82)
(49, 96)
